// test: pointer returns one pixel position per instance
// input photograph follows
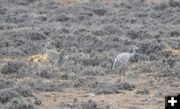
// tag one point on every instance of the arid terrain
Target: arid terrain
(88, 34)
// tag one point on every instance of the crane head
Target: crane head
(135, 49)
(48, 41)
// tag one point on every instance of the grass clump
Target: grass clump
(17, 103)
(15, 68)
(7, 94)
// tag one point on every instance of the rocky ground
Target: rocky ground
(90, 33)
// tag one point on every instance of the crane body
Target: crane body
(121, 61)
(54, 56)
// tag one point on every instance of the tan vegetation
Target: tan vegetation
(173, 52)
(39, 58)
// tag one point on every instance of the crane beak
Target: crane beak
(137, 49)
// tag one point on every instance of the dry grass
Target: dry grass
(173, 52)
(39, 58)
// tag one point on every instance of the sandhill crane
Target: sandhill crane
(121, 61)
(54, 56)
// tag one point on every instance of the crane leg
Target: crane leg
(124, 74)
(52, 66)
(120, 75)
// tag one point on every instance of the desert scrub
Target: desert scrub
(35, 35)
(150, 66)
(90, 104)
(176, 68)
(70, 67)
(17, 103)
(143, 91)
(134, 34)
(133, 107)
(21, 2)
(24, 90)
(56, 86)
(39, 85)
(100, 11)
(94, 61)
(46, 73)
(5, 83)
(148, 47)
(7, 94)
(79, 82)
(35, 84)
(20, 68)
(85, 59)
(174, 3)
(90, 70)
(126, 86)
(107, 88)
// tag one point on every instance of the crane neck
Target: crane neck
(133, 53)
(45, 47)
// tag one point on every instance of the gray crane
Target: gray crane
(54, 56)
(121, 61)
